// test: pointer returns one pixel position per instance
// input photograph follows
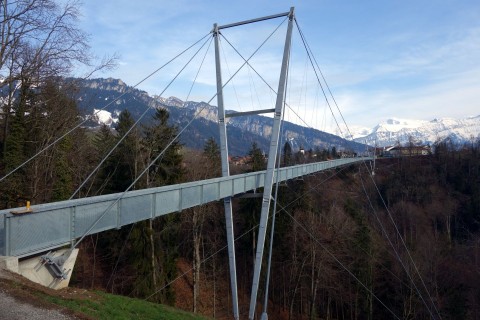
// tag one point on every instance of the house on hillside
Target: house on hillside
(239, 161)
(400, 151)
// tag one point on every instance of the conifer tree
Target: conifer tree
(257, 158)
(154, 246)
(334, 152)
(167, 169)
(211, 152)
(127, 154)
(287, 154)
(52, 174)
(63, 180)
(103, 142)
(15, 151)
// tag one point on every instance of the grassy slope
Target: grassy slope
(107, 306)
(85, 304)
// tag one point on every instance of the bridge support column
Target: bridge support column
(225, 173)
(42, 269)
(272, 158)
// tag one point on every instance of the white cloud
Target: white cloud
(393, 61)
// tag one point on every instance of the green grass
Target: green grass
(107, 306)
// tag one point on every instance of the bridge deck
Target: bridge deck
(54, 225)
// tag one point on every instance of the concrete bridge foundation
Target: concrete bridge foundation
(44, 269)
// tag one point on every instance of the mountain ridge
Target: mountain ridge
(113, 95)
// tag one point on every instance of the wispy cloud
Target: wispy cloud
(381, 59)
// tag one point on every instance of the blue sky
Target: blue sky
(382, 59)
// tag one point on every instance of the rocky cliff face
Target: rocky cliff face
(113, 95)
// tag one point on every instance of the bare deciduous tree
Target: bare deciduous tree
(41, 40)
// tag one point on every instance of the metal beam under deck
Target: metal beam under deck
(53, 225)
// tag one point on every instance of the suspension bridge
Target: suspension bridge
(33, 234)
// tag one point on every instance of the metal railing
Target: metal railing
(53, 225)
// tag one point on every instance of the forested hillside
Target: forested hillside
(344, 247)
(337, 253)
(400, 244)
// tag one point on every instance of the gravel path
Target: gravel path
(14, 310)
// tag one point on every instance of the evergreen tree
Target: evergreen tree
(211, 151)
(127, 154)
(103, 142)
(63, 180)
(334, 152)
(154, 243)
(41, 115)
(168, 168)
(287, 154)
(53, 114)
(362, 252)
(15, 150)
(257, 158)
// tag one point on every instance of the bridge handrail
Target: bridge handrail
(54, 225)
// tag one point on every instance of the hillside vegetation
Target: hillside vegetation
(76, 303)
(402, 244)
(337, 253)
(340, 246)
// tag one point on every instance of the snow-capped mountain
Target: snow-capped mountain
(394, 131)
(352, 132)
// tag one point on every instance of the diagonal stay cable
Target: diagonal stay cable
(307, 47)
(138, 121)
(383, 201)
(403, 242)
(133, 224)
(169, 144)
(254, 227)
(201, 262)
(304, 120)
(265, 81)
(315, 190)
(229, 73)
(310, 234)
(397, 255)
(237, 238)
(110, 103)
(319, 82)
(248, 231)
(119, 257)
(318, 79)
